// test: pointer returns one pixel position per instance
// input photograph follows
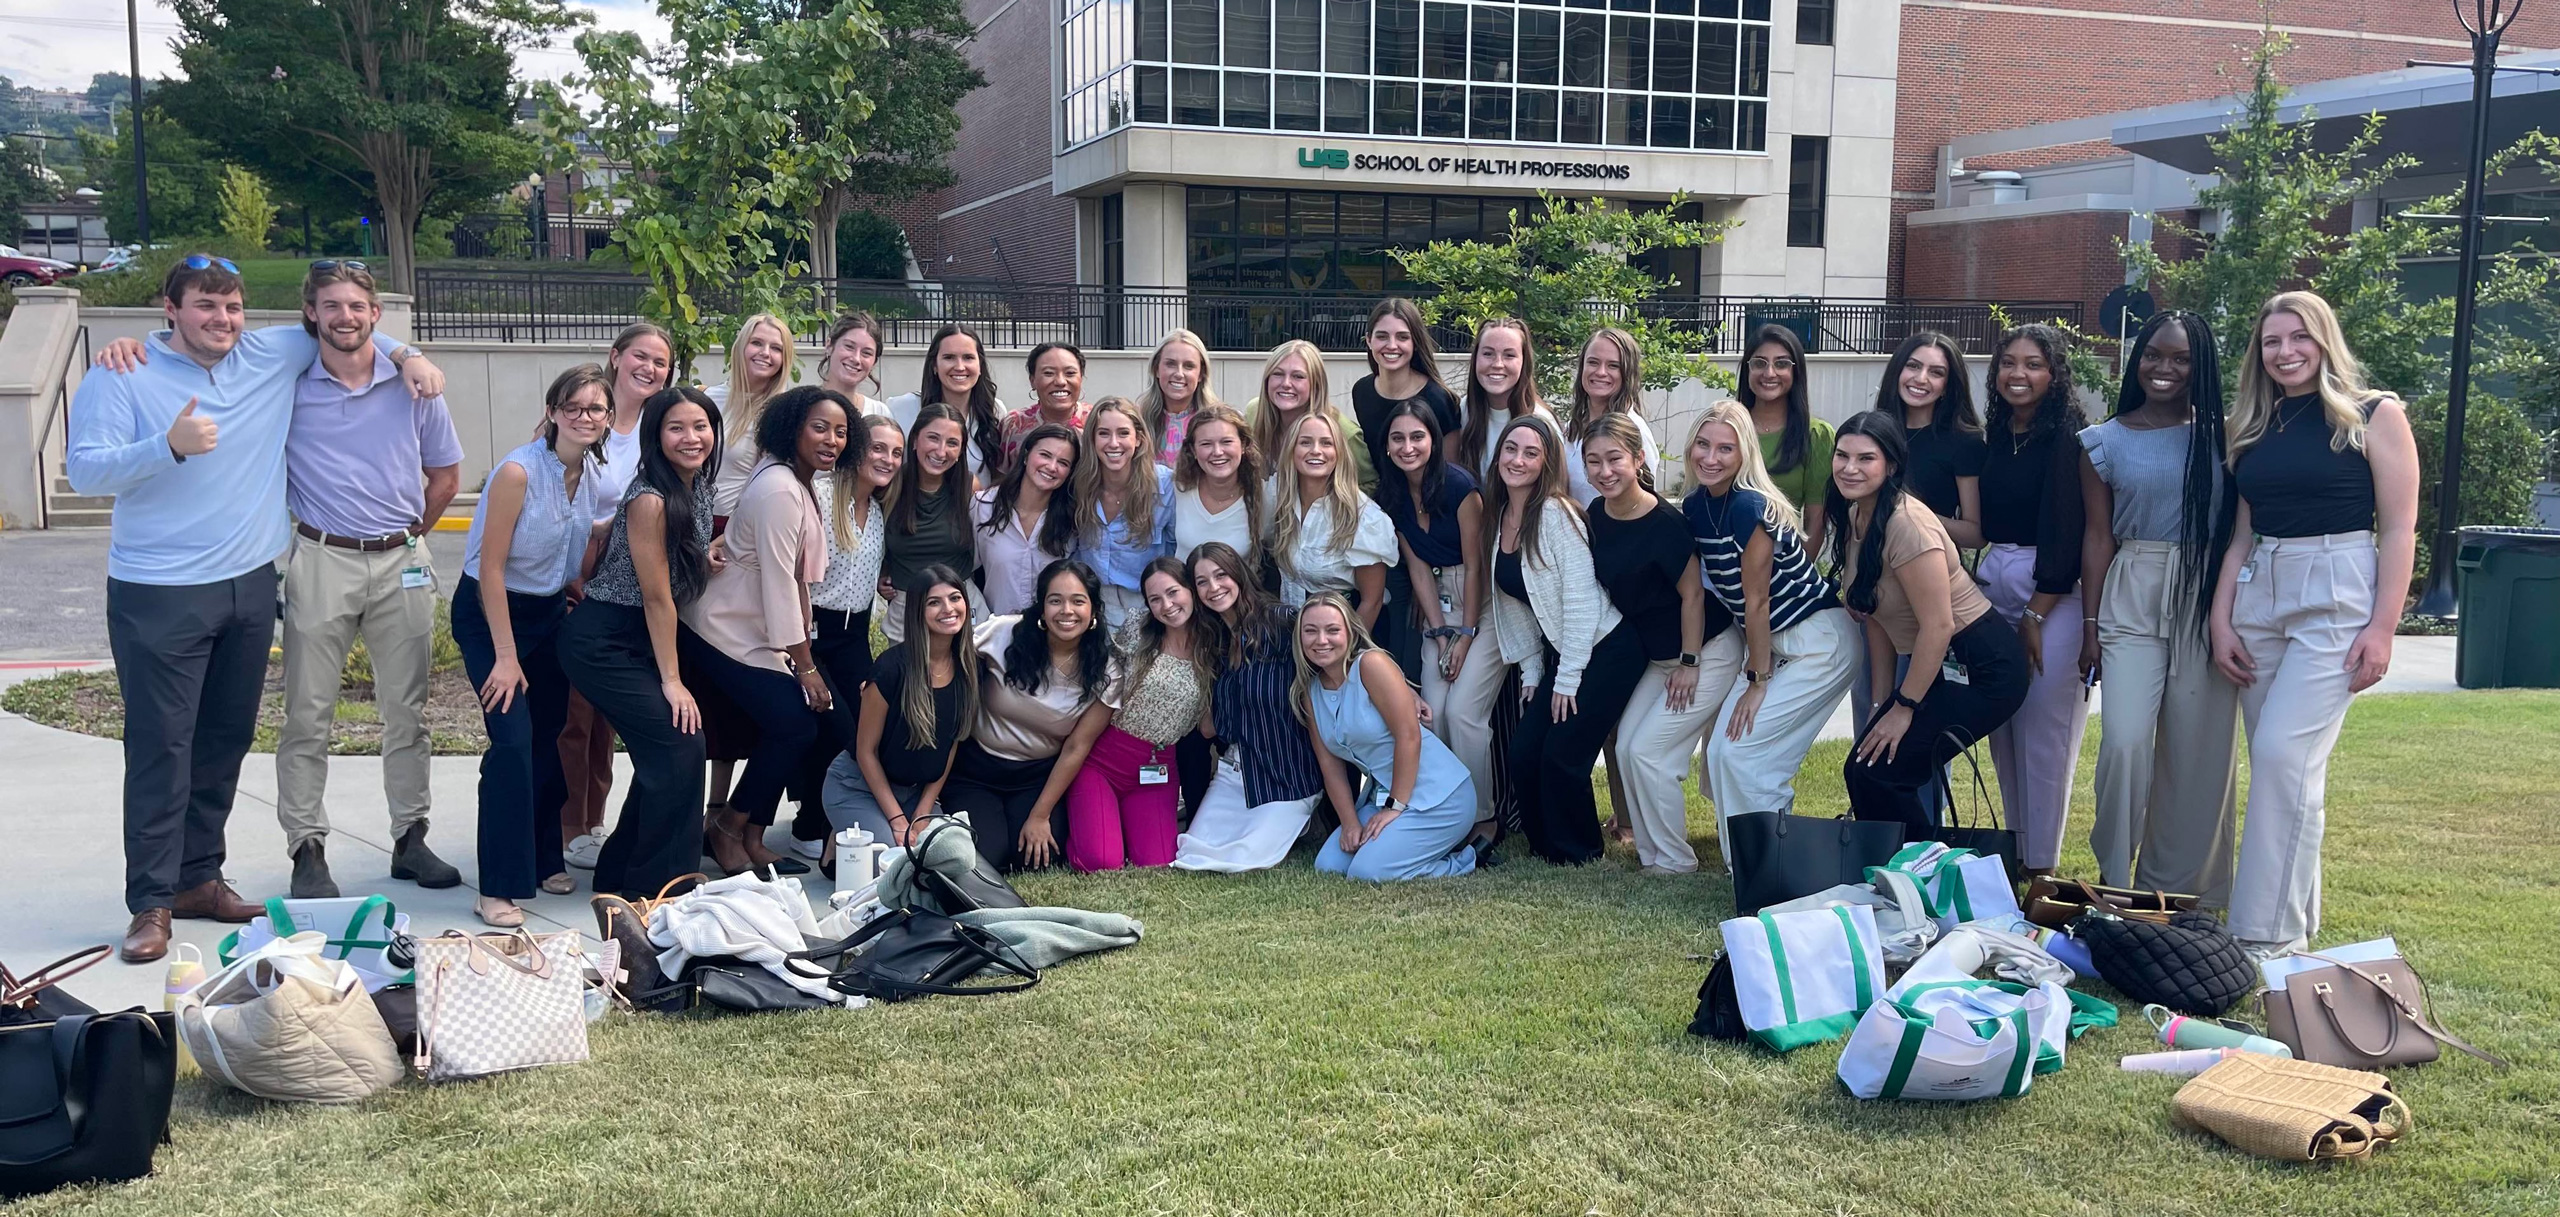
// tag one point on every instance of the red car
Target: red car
(22, 270)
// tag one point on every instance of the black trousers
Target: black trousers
(843, 651)
(521, 770)
(191, 663)
(1948, 721)
(1193, 765)
(604, 648)
(785, 727)
(1399, 625)
(1551, 762)
(998, 794)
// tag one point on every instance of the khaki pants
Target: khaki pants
(332, 597)
(1465, 722)
(2167, 746)
(1813, 665)
(1654, 743)
(1436, 689)
(2300, 605)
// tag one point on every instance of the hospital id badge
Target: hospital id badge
(1952, 672)
(1154, 775)
(414, 577)
(2248, 572)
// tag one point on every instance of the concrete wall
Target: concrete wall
(38, 348)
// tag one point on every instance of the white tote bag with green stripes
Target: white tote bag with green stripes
(1803, 978)
(1955, 1040)
(1959, 884)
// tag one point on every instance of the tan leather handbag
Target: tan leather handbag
(2358, 1016)
(2055, 903)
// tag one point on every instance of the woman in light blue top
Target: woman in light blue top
(1412, 823)
(1124, 505)
(529, 534)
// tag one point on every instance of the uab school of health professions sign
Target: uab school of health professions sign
(1461, 166)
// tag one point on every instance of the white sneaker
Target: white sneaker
(812, 850)
(581, 852)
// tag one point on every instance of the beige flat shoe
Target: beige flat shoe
(560, 884)
(501, 914)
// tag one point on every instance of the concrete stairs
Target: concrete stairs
(67, 508)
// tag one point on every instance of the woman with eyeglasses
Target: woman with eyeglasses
(1795, 447)
(529, 531)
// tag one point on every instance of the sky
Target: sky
(49, 44)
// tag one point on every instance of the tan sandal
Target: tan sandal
(509, 916)
(560, 884)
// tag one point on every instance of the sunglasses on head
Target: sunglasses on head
(203, 261)
(325, 265)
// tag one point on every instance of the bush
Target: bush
(870, 245)
(2502, 457)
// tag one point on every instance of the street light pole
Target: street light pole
(141, 164)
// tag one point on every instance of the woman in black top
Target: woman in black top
(911, 727)
(2031, 516)
(1926, 390)
(1402, 367)
(1438, 517)
(2310, 591)
(928, 522)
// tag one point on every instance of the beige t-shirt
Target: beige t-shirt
(1018, 726)
(1913, 532)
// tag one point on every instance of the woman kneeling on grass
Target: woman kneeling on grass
(1359, 711)
(921, 702)
(1121, 808)
(1267, 782)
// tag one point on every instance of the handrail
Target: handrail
(76, 355)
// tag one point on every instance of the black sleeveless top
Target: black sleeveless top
(2295, 485)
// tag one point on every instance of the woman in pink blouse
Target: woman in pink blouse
(749, 633)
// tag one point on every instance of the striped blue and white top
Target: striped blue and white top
(1723, 525)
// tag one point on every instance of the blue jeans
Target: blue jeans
(520, 773)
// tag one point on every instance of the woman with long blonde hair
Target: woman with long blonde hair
(1293, 382)
(1177, 386)
(1608, 378)
(759, 359)
(2310, 592)
(1124, 505)
(1358, 710)
(1325, 534)
(1796, 651)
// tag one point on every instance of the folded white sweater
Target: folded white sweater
(757, 920)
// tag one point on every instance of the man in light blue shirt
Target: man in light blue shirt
(190, 441)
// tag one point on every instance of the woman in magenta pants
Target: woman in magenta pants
(1120, 811)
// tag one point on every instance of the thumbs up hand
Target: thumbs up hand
(190, 435)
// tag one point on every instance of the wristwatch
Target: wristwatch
(1688, 659)
(1905, 702)
(1750, 677)
(1389, 802)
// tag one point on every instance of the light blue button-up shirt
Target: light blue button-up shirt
(1120, 558)
(216, 516)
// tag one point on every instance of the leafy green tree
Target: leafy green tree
(870, 245)
(1564, 268)
(408, 104)
(247, 211)
(21, 182)
(186, 176)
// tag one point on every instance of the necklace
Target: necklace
(2285, 419)
(2018, 441)
(1718, 517)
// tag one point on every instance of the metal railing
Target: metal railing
(552, 304)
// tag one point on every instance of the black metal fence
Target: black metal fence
(512, 236)
(556, 304)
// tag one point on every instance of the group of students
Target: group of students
(1424, 620)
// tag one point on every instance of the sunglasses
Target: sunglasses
(204, 261)
(325, 265)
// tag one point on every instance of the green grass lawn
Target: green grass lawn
(1507, 1043)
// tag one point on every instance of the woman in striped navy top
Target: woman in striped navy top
(1797, 662)
(1268, 781)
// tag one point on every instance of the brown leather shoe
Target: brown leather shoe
(213, 900)
(147, 938)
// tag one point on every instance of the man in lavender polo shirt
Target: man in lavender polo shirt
(368, 470)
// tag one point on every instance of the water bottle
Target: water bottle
(857, 862)
(2179, 1031)
(2185, 1064)
(186, 971)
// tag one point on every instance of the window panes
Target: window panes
(1717, 43)
(1492, 44)
(1630, 41)
(1151, 23)
(1151, 95)
(1457, 219)
(1586, 41)
(1808, 188)
(1248, 33)
(1489, 113)
(1537, 116)
(1399, 44)
(1444, 111)
(1674, 49)
(1346, 37)
(1581, 118)
(1626, 120)
(1813, 22)
(1755, 61)
(1248, 99)
(1297, 35)
(1195, 97)
(1714, 125)
(1346, 106)
(1541, 46)
(1395, 106)
(1751, 126)
(1444, 41)
(1296, 103)
(1195, 31)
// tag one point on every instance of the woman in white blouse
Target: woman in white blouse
(1217, 486)
(1326, 535)
(1027, 520)
(956, 374)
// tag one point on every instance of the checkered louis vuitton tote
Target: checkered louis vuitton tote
(490, 1003)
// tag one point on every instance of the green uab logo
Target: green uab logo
(1323, 158)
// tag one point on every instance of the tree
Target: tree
(409, 104)
(1564, 269)
(186, 176)
(22, 181)
(246, 210)
(870, 245)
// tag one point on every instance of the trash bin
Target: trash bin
(2508, 634)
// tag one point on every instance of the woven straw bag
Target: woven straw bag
(2294, 1111)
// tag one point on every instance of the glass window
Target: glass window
(1297, 35)
(1151, 95)
(1581, 122)
(1346, 106)
(1813, 24)
(1457, 220)
(1262, 265)
(1363, 217)
(1714, 124)
(1541, 48)
(1296, 103)
(1195, 31)
(1399, 45)
(1248, 33)
(1586, 38)
(1213, 213)
(1151, 23)
(1671, 122)
(1755, 10)
(1408, 219)
(1396, 104)
(1626, 120)
(1346, 37)
(1537, 116)
(1717, 54)
(1248, 99)
(1195, 97)
(1674, 49)
(1311, 214)
(1444, 41)
(1444, 110)
(1682, 7)
(1262, 213)
(1489, 113)
(1629, 49)
(1808, 186)
(1751, 126)
(1492, 43)
(1755, 61)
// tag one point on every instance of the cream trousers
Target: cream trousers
(2167, 744)
(1654, 743)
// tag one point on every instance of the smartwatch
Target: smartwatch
(1750, 677)
(1688, 659)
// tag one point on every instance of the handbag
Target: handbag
(1956, 885)
(1778, 857)
(84, 1098)
(2293, 1111)
(1719, 1014)
(915, 953)
(2056, 903)
(979, 887)
(37, 997)
(2191, 964)
(1953, 1041)
(1804, 978)
(491, 1003)
(722, 984)
(2358, 1016)
(288, 1024)
(368, 932)
(1997, 840)
(626, 923)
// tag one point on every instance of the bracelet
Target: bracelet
(1903, 700)
(2032, 615)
